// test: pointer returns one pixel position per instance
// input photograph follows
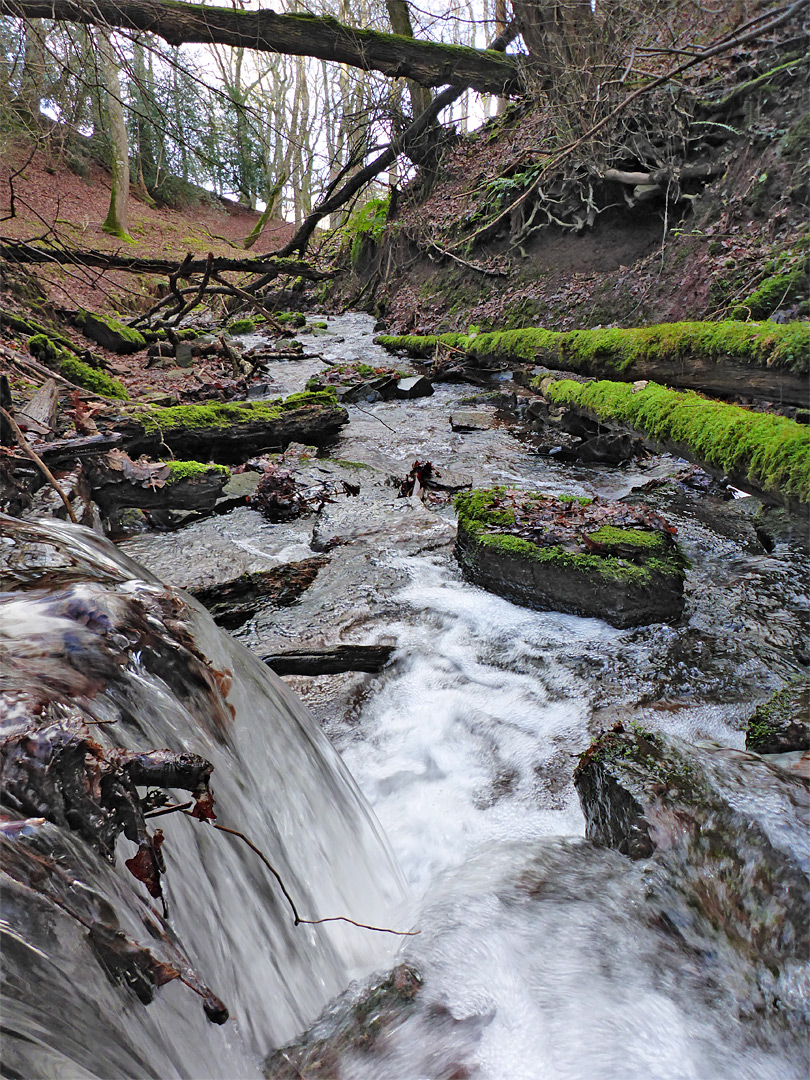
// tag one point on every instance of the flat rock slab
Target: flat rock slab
(628, 576)
(471, 420)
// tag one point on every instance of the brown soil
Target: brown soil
(51, 201)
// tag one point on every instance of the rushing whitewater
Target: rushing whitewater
(92, 642)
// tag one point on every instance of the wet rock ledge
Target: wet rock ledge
(726, 833)
(608, 561)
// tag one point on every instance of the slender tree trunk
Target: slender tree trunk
(117, 221)
(32, 81)
(400, 16)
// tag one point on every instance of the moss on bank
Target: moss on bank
(772, 452)
(71, 367)
(616, 351)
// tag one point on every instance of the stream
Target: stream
(541, 956)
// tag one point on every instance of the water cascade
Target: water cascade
(97, 655)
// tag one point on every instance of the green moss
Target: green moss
(221, 415)
(366, 224)
(772, 293)
(346, 464)
(135, 337)
(74, 369)
(772, 717)
(771, 451)
(242, 326)
(291, 318)
(616, 351)
(91, 379)
(478, 512)
(608, 536)
(191, 470)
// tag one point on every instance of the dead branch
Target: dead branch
(40, 464)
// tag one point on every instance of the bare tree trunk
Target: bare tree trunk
(117, 221)
(32, 82)
(400, 17)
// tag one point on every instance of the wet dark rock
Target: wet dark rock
(413, 386)
(232, 603)
(727, 835)
(609, 449)
(781, 724)
(352, 1024)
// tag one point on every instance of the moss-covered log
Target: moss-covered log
(626, 576)
(764, 454)
(765, 360)
(234, 431)
(117, 483)
(301, 34)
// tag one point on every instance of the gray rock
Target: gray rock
(184, 355)
(414, 386)
(728, 839)
(471, 420)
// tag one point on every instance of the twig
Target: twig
(371, 414)
(46, 472)
(289, 899)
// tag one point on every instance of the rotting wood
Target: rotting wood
(232, 603)
(40, 412)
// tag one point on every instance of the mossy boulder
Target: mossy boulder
(726, 835)
(782, 723)
(511, 543)
(234, 431)
(111, 334)
(242, 326)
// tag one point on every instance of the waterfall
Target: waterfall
(96, 652)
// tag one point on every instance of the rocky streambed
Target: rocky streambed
(631, 907)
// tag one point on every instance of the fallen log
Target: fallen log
(233, 602)
(117, 482)
(331, 660)
(298, 34)
(21, 252)
(762, 453)
(764, 360)
(234, 431)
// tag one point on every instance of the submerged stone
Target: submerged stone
(781, 724)
(607, 561)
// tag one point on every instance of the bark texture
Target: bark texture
(322, 36)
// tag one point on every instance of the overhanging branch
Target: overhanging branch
(425, 62)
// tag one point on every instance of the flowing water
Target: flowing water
(541, 955)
